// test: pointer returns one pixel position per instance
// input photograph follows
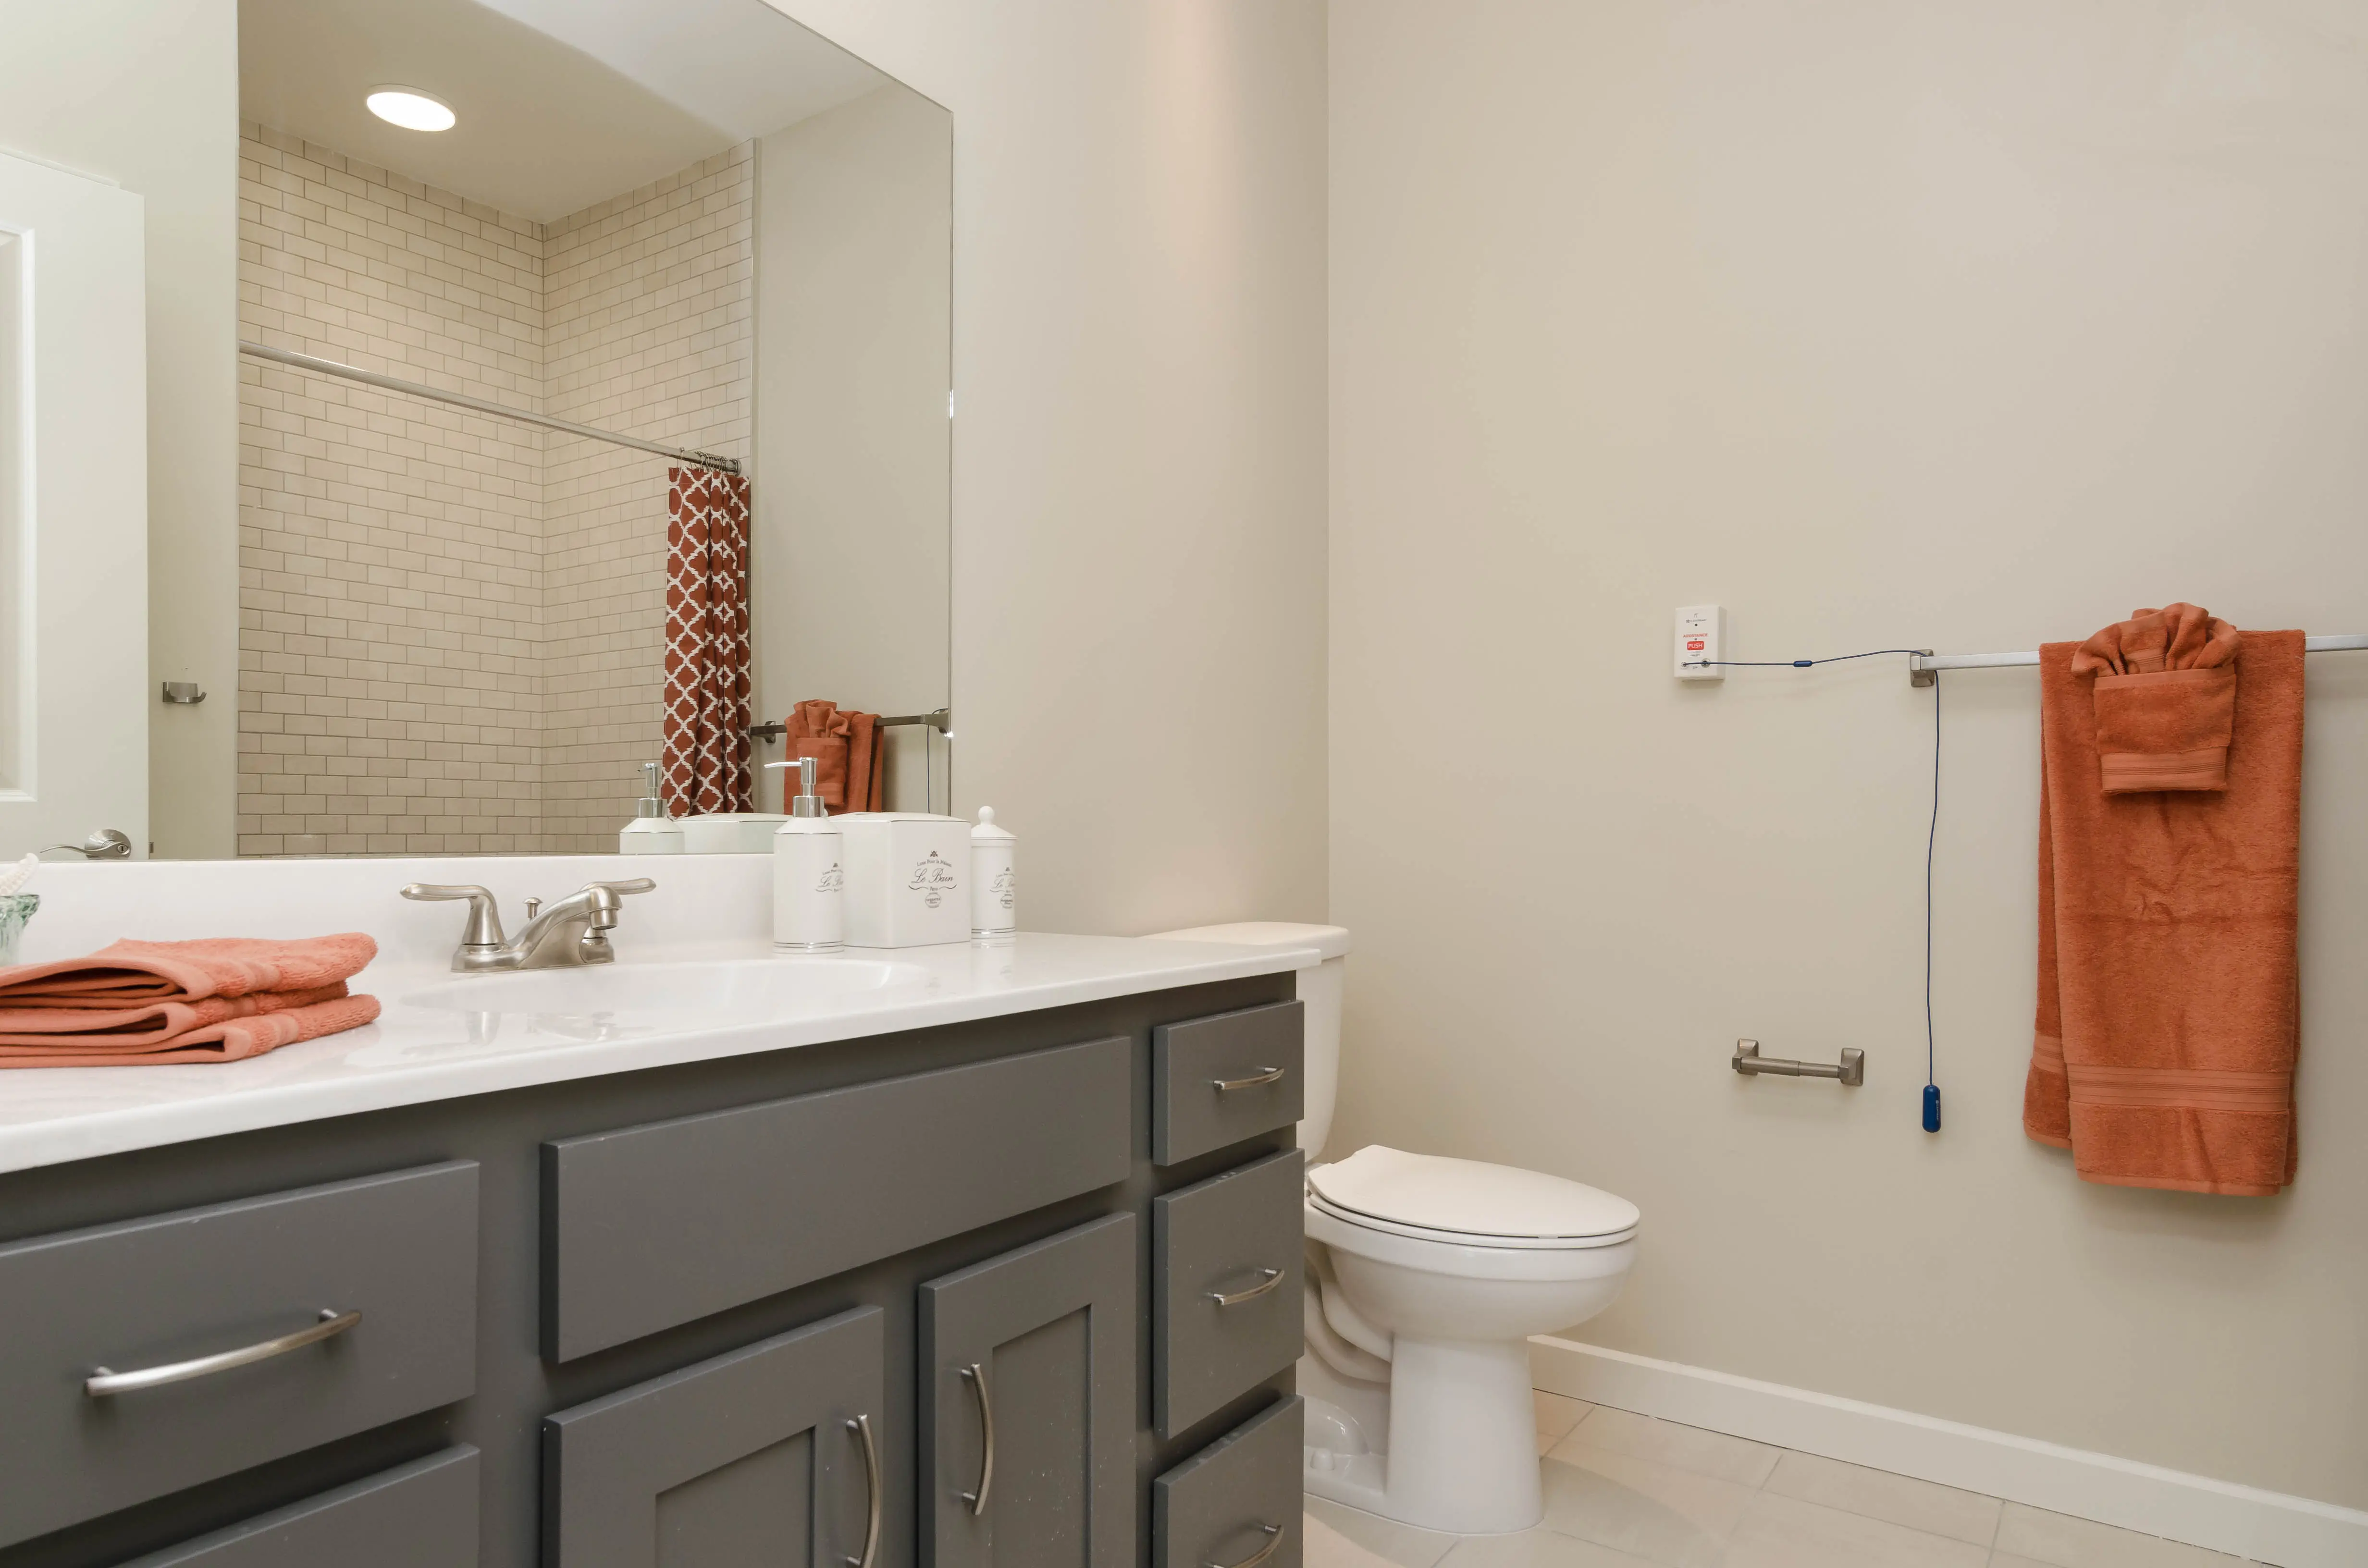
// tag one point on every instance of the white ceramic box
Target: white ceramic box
(907, 878)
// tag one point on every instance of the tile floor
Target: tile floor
(1626, 1490)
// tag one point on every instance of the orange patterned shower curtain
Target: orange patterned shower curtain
(706, 755)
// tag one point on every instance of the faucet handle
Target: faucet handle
(638, 884)
(484, 927)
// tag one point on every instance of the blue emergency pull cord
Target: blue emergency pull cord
(1931, 840)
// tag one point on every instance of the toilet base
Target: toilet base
(1461, 1455)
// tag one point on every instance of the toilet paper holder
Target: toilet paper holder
(1851, 1072)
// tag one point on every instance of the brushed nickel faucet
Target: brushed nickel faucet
(571, 932)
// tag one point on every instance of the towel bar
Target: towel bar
(1850, 1070)
(939, 719)
(1922, 666)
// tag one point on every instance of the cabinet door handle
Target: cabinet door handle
(862, 1428)
(1273, 1539)
(1263, 1075)
(102, 1383)
(976, 1374)
(1267, 1279)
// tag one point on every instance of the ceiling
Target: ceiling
(562, 103)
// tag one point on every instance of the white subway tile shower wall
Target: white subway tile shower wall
(450, 623)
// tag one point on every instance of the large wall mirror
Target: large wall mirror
(594, 402)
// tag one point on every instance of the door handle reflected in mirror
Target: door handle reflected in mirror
(104, 844)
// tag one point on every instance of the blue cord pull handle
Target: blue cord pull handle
(1931, 1107)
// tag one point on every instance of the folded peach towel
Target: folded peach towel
(2167, 1025)
(215, 1000)
(847, 744)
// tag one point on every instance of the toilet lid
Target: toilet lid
(1467, 1197)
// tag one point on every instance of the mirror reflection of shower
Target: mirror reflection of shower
(651, 443)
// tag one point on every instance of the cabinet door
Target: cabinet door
(767, 1455)
(1028, 1407)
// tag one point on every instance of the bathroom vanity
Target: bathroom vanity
(947, 1255)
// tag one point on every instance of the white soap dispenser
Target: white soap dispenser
(809, 871)
(651, 832)
(994, 881)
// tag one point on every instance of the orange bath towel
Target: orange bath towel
(2171, 801)
(216, 1000)
(848, 747)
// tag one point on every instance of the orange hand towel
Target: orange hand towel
(847, 744)
(148, 1025)
(2166, 700)
(224, 1040)
(2168, 1023)
(129, 974)
(216, 1000)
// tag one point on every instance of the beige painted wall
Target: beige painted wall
(1954, 323)
(166, 73)
(1139, 488)
(854, 231)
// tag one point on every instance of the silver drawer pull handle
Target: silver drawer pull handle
(1273, 1539)
(102, 1383)
(862, 1428)
(977, 1500)
(1267, 1279)
(1265, 1075)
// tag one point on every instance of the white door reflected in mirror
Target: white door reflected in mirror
(74, 511)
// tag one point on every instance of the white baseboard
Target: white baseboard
(2268, 1527)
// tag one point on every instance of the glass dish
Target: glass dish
(16, 909)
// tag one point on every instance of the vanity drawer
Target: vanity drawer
(1232, 1501)
(400, 1250)
(1218, 1080)
(647, 1227)
(417, 1515)
(1220, 1237)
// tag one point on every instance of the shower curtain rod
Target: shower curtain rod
(371, 377)
(1922, 665)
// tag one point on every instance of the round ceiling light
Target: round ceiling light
(410, 108)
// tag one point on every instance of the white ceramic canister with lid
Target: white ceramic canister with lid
(994, 879)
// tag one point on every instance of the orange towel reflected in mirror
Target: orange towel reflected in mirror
(847, 745)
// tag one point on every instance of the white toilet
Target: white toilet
(1426, 1277)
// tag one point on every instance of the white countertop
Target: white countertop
(442, 1036)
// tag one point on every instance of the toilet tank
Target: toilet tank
(1319, 988)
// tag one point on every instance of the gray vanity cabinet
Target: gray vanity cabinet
(413, 1515)
(1027, 1405)
(1236, 1503)
(1227, 1266)
(649, 1318)
(141, 1357)
(766, 1455)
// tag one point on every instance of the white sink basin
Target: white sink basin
(606, 1001)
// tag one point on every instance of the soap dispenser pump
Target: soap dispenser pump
(809, 870)
(651, 832)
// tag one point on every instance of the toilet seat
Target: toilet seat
(1467, 1202)
(1466, 1238)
